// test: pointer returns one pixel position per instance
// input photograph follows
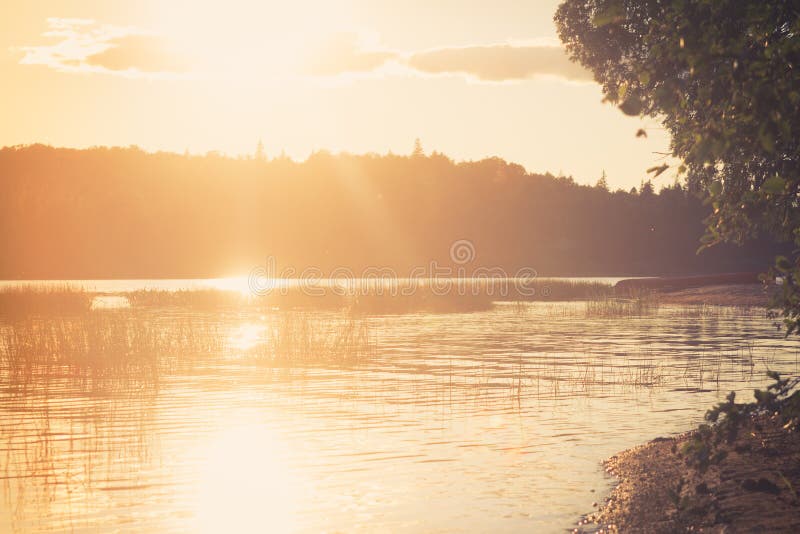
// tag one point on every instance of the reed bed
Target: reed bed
(142, 343)
(377, 298)
(202, 299)
(550, 375)
(296, 298)
(589, 374)
(703, 311)
(421, 300)
(438, 296)
(635, 303)
(27, 301)
(556, 290)
(301, 339)
(546, 377)
(115, 343)
(374, 301)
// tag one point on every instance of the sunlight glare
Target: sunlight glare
(246, 336)
(231, 283)
(247, 40)
(246, 484)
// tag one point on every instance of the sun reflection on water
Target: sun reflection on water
(246, 336)
(246, 483)
(231, 283)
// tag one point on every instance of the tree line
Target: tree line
(126, 213)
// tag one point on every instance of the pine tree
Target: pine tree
(602, 183)
(260, 154)
(418, 151)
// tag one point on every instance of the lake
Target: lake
(494, 420)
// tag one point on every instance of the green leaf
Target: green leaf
(783, 264)
(611, 14)
(622, 90)
(631, 106)
(767, 142)
(715, 188)
(658, 170)
(774, 185)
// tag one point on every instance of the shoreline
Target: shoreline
(753, 489)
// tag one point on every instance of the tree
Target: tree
(602, 183)
(724, 78)
(260, 155)
(646, 188)
(418, 151)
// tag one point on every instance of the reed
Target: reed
(421, 299)
(299, 298)
(375, 299)
(27, 301)
(301, 338)
(442, 296)
(635, 303)
(198, 299)
(109, 342)
(556, 290)
(708, 311)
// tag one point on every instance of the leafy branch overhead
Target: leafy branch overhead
(724, 78)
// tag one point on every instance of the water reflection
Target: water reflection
(245, 483)
(482, 421)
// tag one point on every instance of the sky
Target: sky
(471, 79)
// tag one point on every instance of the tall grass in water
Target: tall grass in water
(140, 345)
(203, 299)
(556, 290)
(29, 300)
(374, 297)
(436, 296)
(300, 338)
(119, 343)
(635, 303)
(421, 299)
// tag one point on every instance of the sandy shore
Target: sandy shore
(754, 489)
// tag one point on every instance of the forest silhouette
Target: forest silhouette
(127, 213)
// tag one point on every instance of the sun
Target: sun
(247, 41)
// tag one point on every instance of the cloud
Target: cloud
(86, 46)
(501, 62)
(144, 53)
(83, 45)
(344, 53)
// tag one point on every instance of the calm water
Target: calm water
(487, 421)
